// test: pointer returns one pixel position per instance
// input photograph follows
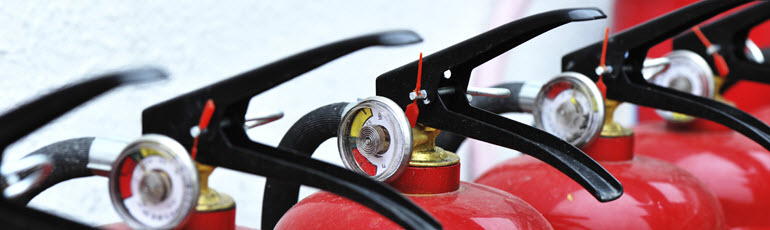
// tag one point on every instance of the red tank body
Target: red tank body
(734, 167)
(657, 195)
(461, 205)
(762, 113)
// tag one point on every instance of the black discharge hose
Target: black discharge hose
(766, 54)
(510, 104)
(69, 159)
(304, 136)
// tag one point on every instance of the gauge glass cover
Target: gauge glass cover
(375, 139)
(688, 73)
(570, 107)
(154, 183)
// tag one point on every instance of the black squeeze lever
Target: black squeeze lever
(625, 55)
(225, 142)
(27, 118)
(730, 34)
(452, 112)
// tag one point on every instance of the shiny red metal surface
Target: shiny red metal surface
(762, 113)
(657, 195)
(471, 206)
(224, 219)
(735, 168)
(428, 180)
(611, 149)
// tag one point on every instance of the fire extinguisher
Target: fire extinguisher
(390, 137)
(20, 176)
(571, 107)
(730, 165)
(156, 183)
(641, 176)
(748, 96)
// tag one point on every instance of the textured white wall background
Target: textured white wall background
(46, 45)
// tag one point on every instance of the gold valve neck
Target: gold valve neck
(424, 150)
(210, 200)
(684, 120)
(610, 127)
(718, 83)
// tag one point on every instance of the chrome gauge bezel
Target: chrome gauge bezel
(704, 74)
(583, 85)
(169, 149)
(400, 139)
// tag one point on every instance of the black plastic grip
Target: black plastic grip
(305, 136)
(497, 105)
(69, 159)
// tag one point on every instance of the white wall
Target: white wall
(46, 45)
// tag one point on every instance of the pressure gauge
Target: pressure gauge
(375, 138)
(154, 183)
(689, 73)
(570, 107)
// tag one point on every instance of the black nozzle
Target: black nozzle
(304, 136)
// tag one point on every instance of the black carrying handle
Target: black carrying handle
(497, 105)
(225, 142)
(625, 56)
(453, 113)
(69, 159)
(730, 34)
(27, 118)
(305, 136)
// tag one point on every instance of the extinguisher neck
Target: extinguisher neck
(700, 124)
(209, 199)
(615, 143)
(431, 170)
(424, 150)
(610, 127)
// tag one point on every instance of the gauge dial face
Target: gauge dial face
(570, 107)
(155, 183)
(688, 73)
(375, 139)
